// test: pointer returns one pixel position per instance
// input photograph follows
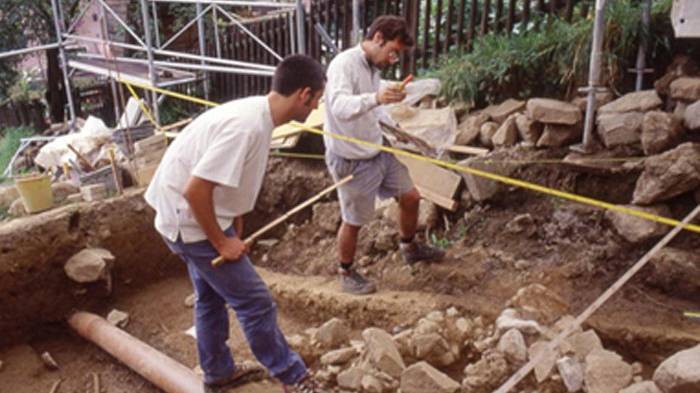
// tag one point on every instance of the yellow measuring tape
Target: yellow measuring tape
(463, 169)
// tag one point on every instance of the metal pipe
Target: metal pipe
(161, 370)
(149, 52)
(208, 67)
(356, 22)
(250, 33)
(594, 72)
(123, 24)
(642, 52)
(202, 48)
(174, 53)
(301, 37)
(154, 9)
(327, 40)
(77, 19)
(185, 27)
(217, 41)
(18, 52)
(292, 34)
(63, 59)
(268, 4)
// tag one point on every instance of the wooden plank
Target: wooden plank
(431, 178)
(287, 136)
(476, 151)
(447, 203)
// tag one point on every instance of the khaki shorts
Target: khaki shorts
(381, 176)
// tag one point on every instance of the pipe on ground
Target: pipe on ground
(159, 369)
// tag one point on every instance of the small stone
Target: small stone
(436, 316)
(507, 133)
(486, 374)
(422, 377)
(190, 300)
(382, 352)
(326, 216)
(429, 347)
(543, 369)
(486, 133)
(403, 342)
(89, 265)
(522, 223)
(469, 129)
(680, 373)
(427, 326)
(642, 387)
(118, 318)
(351, 379)
(338, 357)
(571, 372)
(606, 372)
(540, 302)
(686, 88)
(49, 361)
(582, 344)
(8, 195)
(660, 131)
(94, 192)
(499, 113)
(62, 190)
(509, 319)
(17, 208)
(452, 312)
(372, 384)
(557, 135)
(512, 344)
(691, 117)
(638, 230)
(550, 111)
(528, 129)
(332, 333)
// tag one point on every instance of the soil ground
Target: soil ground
(568, 248)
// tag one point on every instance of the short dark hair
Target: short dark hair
(297, 72)
(391, 27)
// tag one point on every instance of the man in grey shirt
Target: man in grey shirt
(353, 98)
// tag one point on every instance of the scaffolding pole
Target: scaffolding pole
(594, 73)
(149, 51)
(642, 52)
(202, 47)
(58, 24)
(301, 37)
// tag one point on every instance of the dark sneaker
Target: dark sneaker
(416, 252)
(244, 373)
(307, 385)
(352, 282)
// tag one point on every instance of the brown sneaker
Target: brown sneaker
(308, 384)
(244, 373)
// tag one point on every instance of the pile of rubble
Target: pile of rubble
(428, 356)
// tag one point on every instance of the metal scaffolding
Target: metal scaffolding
(161, 67)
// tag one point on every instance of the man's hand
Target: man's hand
(232, 248)
(390, 94)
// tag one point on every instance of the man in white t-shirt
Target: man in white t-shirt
(353, 98)
(208, 179)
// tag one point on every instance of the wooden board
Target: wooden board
(437, 184)
(287, 136)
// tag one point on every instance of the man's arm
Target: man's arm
(238, 225)
(345, 105)
(199, 195)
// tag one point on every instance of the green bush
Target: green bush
(9, 143)
(552, 60)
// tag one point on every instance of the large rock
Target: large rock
(557, 135)
(507, 133)
(680, 373)
(481, 188)
(432, 348)
(642, 387)
(7, 196)
(691, 116)
(486, 374)
(529, 130)
(89, 265)
(617, 129)
(686, 88)
(600, 100)
(332, 333)
(539, 302)
(550, 111)
(660, 131)
(512, 344)
(640, 101)
(338, 357)
(326, 216)
(606, 372)
(422, 377)
(668, 175)
(351, 379)
(469, 129)
(636, 229)
(675, 270)
(571, 373)
(499, 113)
(486, 133)
(382, 352)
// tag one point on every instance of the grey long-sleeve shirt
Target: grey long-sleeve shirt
(351, 104)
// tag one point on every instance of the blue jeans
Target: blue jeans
(238, 285)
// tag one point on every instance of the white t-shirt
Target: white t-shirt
(228, 145)
(351, 104)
